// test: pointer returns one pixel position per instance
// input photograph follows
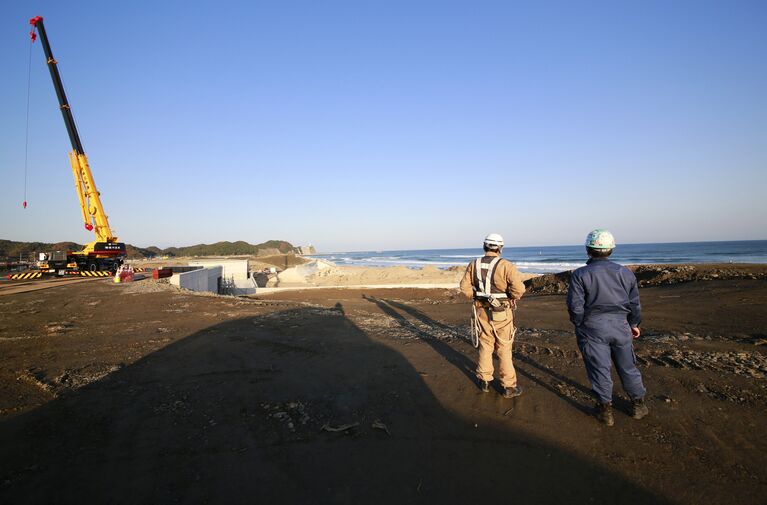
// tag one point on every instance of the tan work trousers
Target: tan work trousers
(499, 341)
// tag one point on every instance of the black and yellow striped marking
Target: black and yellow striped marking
(28, 275)
(95, 274)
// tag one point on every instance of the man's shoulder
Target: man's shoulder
(581, 270)
(591, 268)
(615, 267)
(507, 263)
(626, 271)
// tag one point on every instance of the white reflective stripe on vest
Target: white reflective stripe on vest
(484, 289)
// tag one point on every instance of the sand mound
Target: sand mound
(325, 273)
(301, 273)
(349, 276)
(657, 275)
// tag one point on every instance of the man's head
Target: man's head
(600, 243)
(493, 243)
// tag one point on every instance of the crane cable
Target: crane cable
(32, 38)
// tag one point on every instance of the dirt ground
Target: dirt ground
(139, 393)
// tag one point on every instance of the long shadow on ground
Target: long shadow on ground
(466, 365)
(298, 406)
(453, 356)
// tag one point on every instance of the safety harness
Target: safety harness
(483, 291)
(483, 288)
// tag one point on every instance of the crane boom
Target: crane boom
(66, 111)
(105, 251)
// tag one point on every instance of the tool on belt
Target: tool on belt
(497, 312)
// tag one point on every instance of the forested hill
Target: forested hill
(11, 249)
(230, 249)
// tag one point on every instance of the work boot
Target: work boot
(605, 413)
(484, 386)
(512, 392)
(638, 408)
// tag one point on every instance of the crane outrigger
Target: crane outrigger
(105, 253)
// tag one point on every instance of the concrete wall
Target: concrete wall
(204, 279)
(235, 274)
(233, 267)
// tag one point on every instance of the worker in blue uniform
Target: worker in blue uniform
(603, 302)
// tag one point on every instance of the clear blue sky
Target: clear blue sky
(392, 124)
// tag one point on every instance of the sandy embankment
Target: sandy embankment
(321, 273)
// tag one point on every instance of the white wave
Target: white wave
(446, 261)
(402, 262)
(563, 265)
(420, 262)
(547, 268)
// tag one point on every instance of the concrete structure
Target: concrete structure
(205, 279)
(235, 279)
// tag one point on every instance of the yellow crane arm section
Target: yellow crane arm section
(90, 202)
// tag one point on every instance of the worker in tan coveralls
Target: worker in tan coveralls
(494, 285)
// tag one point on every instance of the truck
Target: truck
(106, 253)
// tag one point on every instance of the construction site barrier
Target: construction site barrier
(95, 274)
(162, 273)
(28, 275)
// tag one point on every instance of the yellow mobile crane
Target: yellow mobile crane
(106, 252)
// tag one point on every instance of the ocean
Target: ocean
(550, 259)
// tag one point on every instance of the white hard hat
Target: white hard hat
(600, 239)
(493, 240)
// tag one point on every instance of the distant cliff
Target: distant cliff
(306, 250)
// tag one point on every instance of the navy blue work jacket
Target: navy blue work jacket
(603, 291)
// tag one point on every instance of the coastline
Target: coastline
(553, 259)
(319, 273)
